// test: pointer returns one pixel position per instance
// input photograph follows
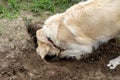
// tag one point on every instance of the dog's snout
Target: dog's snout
(49, 57)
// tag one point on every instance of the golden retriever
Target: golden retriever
(79, 29)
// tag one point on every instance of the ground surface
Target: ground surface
(19, 61)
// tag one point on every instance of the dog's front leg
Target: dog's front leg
(71, 53)
(114, 63)
(76, 51)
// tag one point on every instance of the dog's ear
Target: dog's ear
(41, 36)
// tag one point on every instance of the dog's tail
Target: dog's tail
(31, 29)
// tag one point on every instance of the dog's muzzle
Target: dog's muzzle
(59, 48)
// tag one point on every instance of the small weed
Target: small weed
(13, 5)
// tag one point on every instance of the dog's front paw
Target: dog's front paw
(114, 63)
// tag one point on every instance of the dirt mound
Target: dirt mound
(19, 61)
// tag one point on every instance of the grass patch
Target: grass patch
(10, 8)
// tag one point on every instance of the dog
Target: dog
(79, 29)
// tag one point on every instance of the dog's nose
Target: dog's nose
(49, 57)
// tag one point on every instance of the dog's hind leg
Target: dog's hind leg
(114, 63)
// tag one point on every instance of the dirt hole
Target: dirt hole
(31, 29)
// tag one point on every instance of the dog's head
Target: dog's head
(46, 46)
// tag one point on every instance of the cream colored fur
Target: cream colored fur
(80, 28)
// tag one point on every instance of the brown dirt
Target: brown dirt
(19, 61)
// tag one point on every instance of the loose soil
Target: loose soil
(19, 61)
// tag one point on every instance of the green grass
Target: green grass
(10, 8)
